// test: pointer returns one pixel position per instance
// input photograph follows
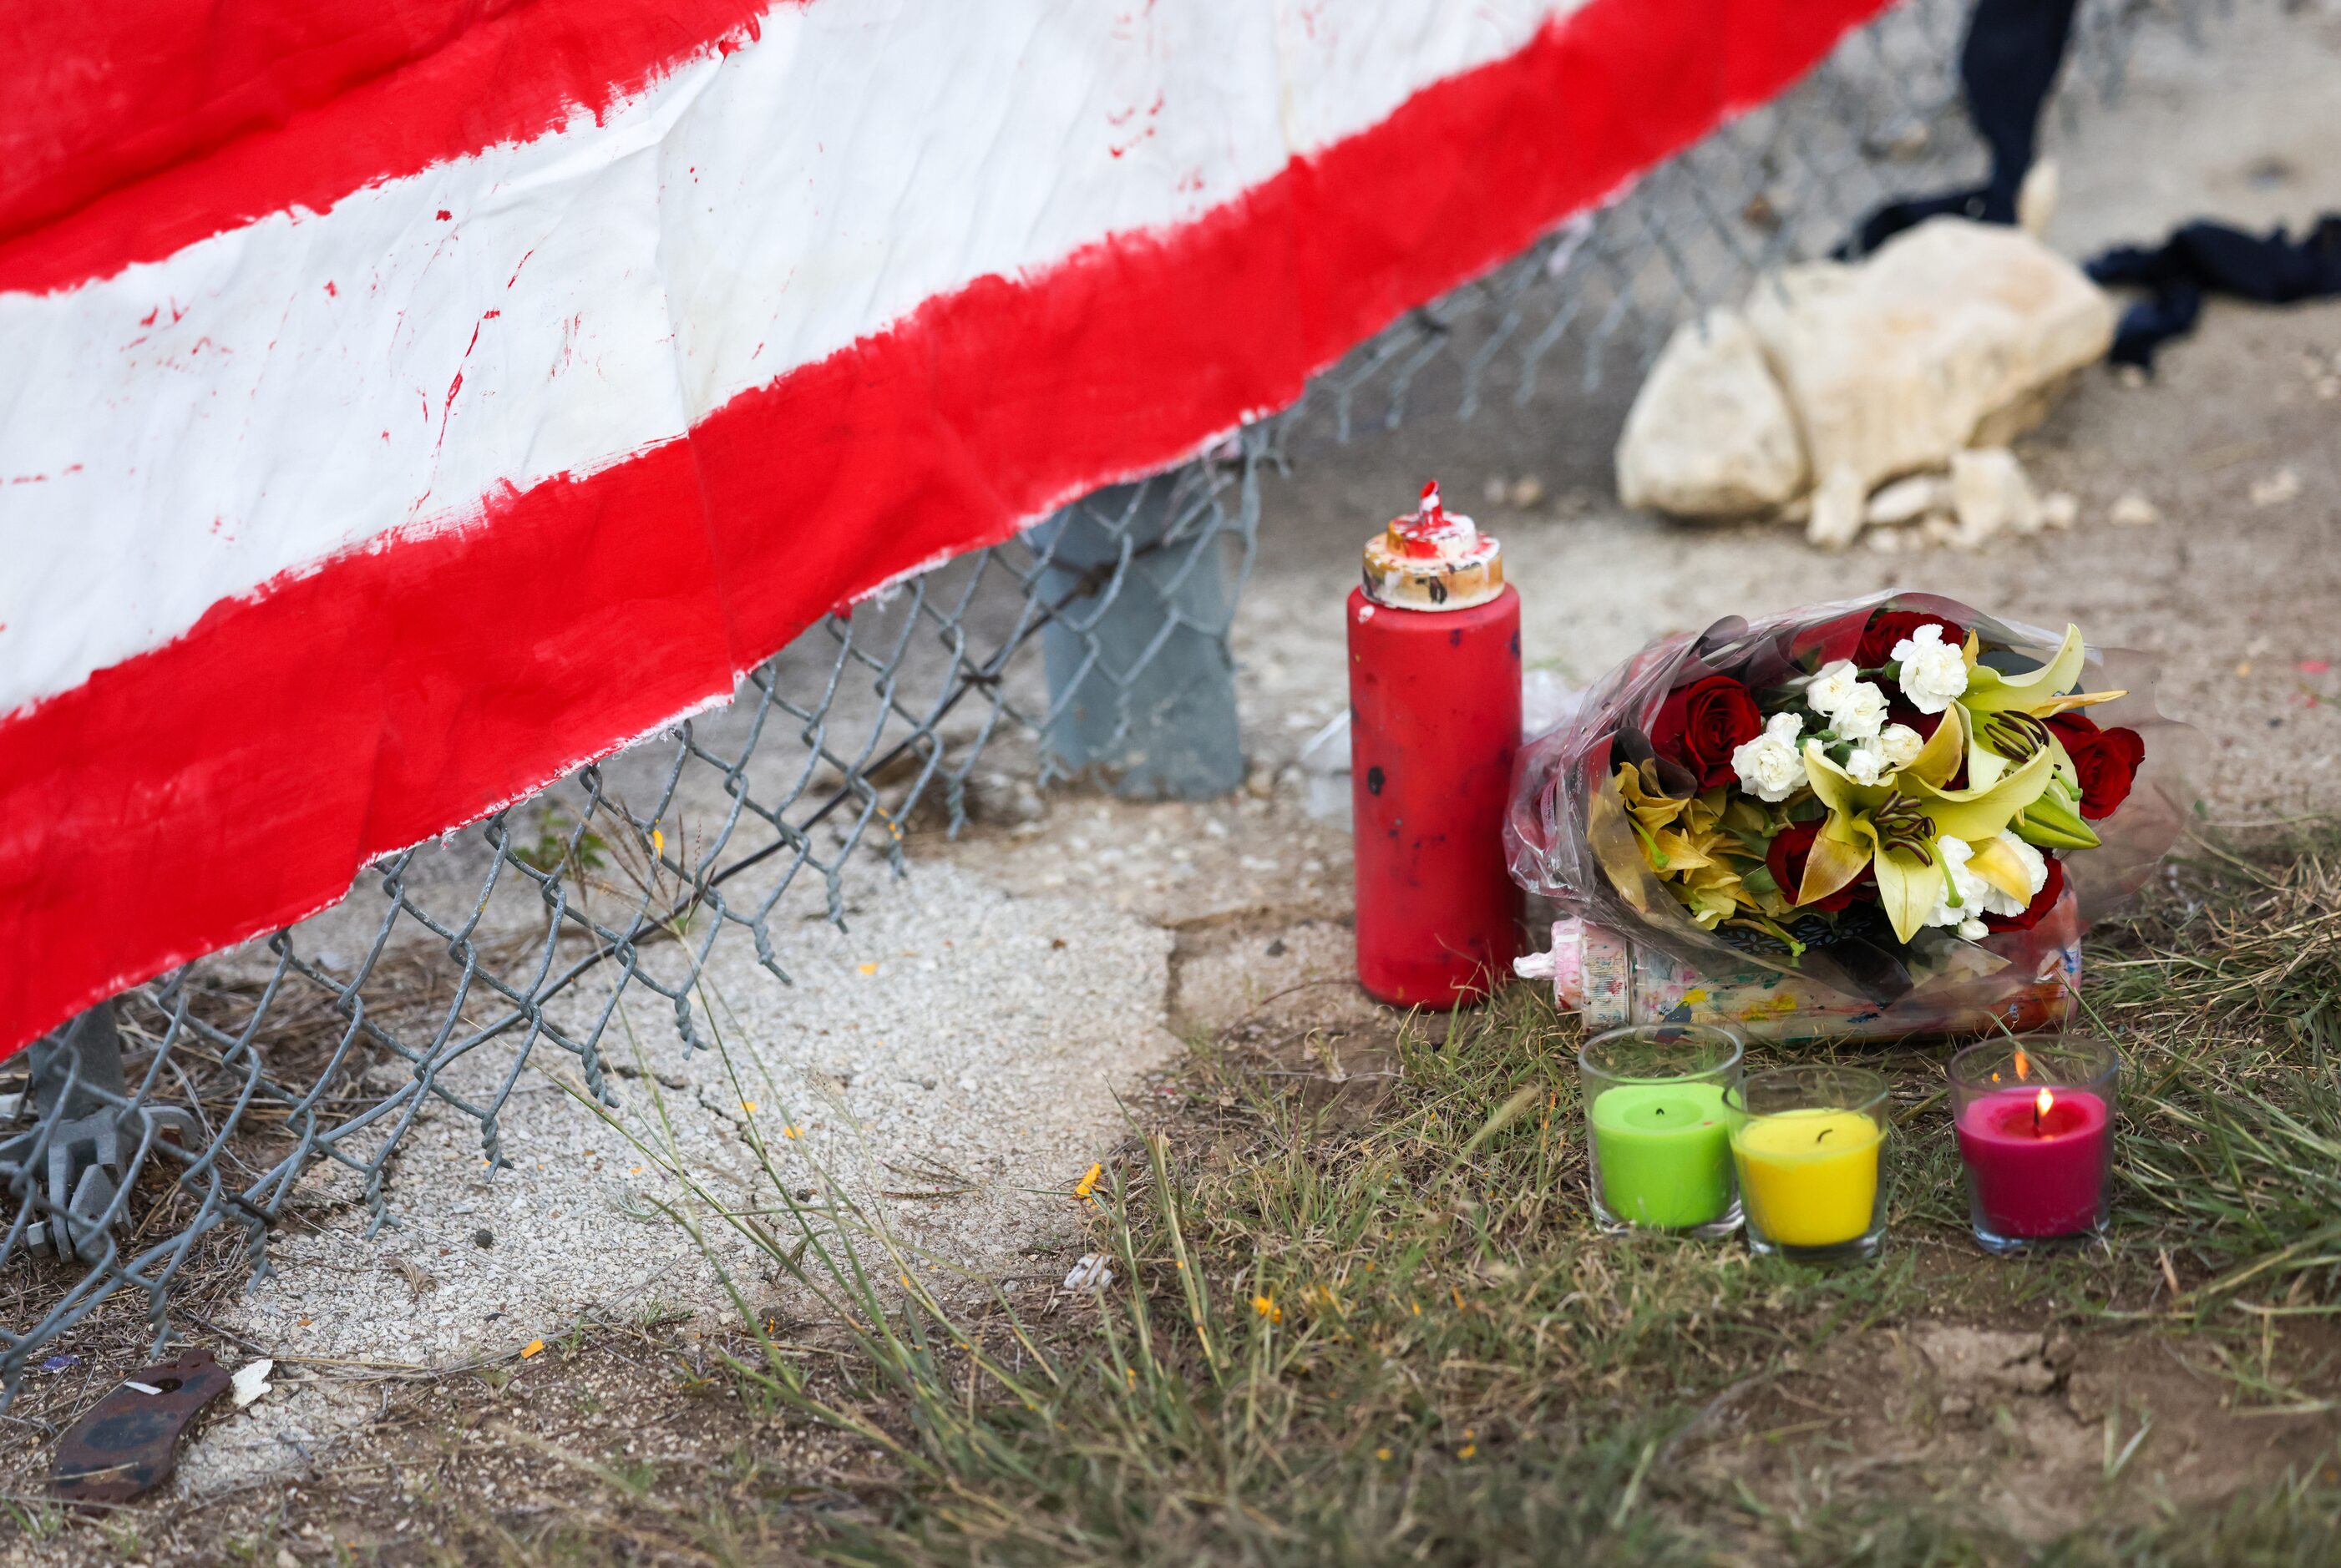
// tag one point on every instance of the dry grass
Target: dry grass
(1388, 1334)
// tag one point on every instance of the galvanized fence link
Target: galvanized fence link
(151, 1146)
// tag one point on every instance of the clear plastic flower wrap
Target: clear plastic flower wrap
(1876, 818)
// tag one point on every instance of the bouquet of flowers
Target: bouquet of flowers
(1879, 796)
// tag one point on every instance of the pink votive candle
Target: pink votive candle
(2037, 1172)
(2035, 1122)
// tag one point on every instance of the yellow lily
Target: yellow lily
(2005, 714)
(1893, 826)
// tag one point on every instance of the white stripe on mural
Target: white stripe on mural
(185, 430)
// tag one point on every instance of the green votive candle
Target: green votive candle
(1664, 1151)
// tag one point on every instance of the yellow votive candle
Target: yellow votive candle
(1809, 1178)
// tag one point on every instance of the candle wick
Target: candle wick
(1822, 1134)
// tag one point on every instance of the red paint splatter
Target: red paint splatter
(330, 290)
(524, 262)
(148, 319)
(445, 216)
(447, 408)
(2314, 666)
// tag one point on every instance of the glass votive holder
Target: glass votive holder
(2035, 1119)
(1809, 1145)
(1654, 1117)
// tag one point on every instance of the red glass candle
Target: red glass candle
(2034, 1121)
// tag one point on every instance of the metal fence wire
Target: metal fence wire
(151, 1146)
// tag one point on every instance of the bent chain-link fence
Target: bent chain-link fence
(144, 1176)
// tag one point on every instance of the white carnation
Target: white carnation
(1832, 689)
(1863, 715)
(1979, 898)
(1934, 672)
(1855, 707)
(1866, 767)
(1900, 744)
(1770, 766)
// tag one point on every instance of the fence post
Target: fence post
(1141, 683)
(83, 1119)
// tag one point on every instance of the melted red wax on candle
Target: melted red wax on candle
(1417, 535)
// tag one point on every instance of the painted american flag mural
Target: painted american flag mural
(402, 404)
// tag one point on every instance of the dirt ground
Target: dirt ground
(2237, 586)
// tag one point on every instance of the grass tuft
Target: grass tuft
(1403, 1340)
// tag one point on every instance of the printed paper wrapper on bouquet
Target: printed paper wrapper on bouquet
(1867, 819)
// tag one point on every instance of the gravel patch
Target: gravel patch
(955, 1061)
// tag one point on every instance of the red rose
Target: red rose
(2106, 760)
(1702, 724)
(2042, 902)
(1790, 848)
(1888, 627)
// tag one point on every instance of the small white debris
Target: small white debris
(2059, 509)
(2278, 487)
(1992, 495)
(1883, 541)
(141, 1387)
(1908, 500)
(251, 1380)
(1527, 490)
(2134, 511)
(1837, 510)
(1090, 1273)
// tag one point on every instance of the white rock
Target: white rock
(1908, 500)
(1939, 529)
(1954, 335)
(1992, 495)
(2278, 487)
(1709, 434)
(1837, 510)
(251, 1380)
(2134, 511)
(2058, 508)
(1883, 541)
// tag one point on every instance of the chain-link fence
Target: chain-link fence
(151, 1146)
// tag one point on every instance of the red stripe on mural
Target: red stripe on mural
(240, 777)
(132, 129)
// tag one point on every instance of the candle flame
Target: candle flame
(2024, 1068)
(2040, 1105)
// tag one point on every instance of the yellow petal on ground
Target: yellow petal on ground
(533, 1347)
(869, 969)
